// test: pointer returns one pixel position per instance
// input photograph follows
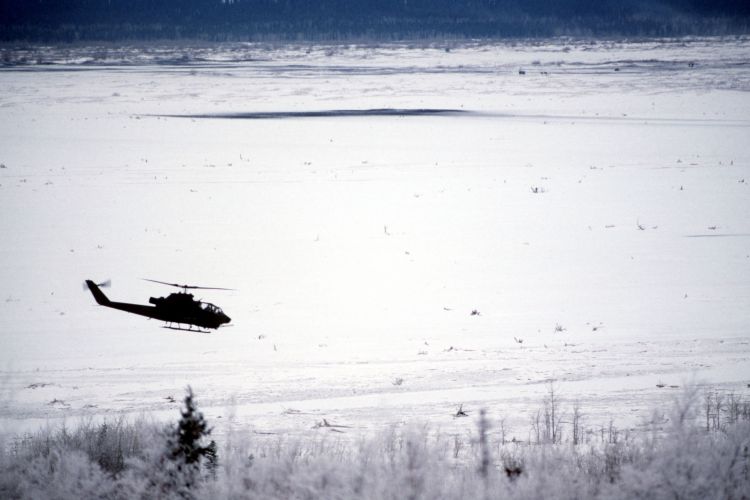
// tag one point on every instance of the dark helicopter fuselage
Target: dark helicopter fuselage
(180, 308)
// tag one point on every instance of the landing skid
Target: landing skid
(179, 329)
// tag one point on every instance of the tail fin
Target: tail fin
(99, 296)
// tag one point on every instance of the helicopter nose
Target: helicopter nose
(225, 319)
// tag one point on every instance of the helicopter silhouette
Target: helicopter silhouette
(180, 307)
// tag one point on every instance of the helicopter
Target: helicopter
(180, 307)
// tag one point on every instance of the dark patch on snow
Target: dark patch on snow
(329, 113)
(731, 235)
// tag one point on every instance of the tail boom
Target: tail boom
(99, 296)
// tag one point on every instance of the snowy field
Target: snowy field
(590, 201)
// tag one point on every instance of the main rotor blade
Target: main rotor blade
(208, 288)
(186, 287)
(162, 282)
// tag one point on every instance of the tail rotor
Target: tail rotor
(103, 284)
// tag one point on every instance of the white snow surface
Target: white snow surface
(360, 245)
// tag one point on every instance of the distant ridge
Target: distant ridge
(384, 20)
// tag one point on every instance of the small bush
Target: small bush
(108, 444)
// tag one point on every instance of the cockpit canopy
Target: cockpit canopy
(206, 306)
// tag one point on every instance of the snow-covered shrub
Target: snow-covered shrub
(60, 474)
(679, 459)
(409, 463)
(109, 444)
(690, 462)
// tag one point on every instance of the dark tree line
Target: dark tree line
(379, 19)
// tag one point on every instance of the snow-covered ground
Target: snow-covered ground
(591, 202)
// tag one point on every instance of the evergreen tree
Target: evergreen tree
(189, 434)
(186, 455)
